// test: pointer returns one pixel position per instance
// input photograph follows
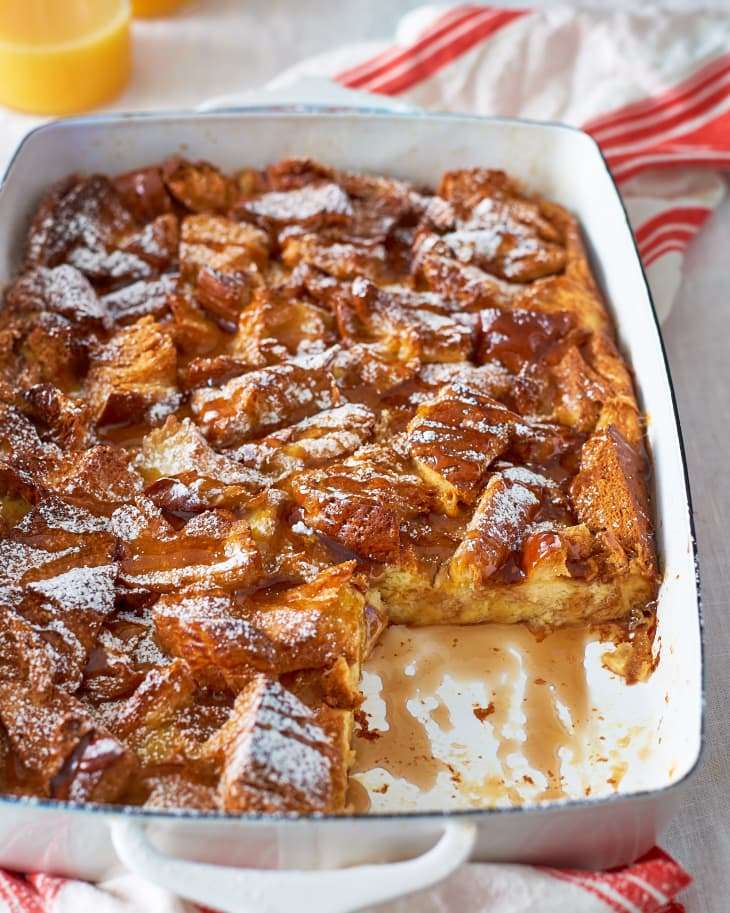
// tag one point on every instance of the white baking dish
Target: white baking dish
(666, 712)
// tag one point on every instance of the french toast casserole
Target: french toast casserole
(247, 421)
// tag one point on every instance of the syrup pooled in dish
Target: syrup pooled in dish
(246, 422)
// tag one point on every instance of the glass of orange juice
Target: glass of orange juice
(147, 8)
(62, 56)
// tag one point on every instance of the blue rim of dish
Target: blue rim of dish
(437, 815)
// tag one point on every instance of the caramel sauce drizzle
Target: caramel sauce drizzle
(554, 707)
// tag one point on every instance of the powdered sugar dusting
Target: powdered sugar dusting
(278, 748)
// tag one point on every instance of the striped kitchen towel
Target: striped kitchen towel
(650, 885)
(653, 88)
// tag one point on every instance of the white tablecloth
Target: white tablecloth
(213, 47)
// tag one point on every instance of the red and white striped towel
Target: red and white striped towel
(649, 886)
(652, 88)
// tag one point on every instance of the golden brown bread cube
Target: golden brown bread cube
(312, 206)
(225, 640)
(82, 223)
(214, 371)
(496, 529)
(261, 401)
(107, 270)
(155, 702)
(110, 672)
(343, 259)
(464, 188)
(77, 600)
(381, 204)
(581, 391)
(435, 265)
(277, 326)
(56, 572)
(516, 336)
(135, 375)
(360, 229)
(100, 477)
(179, 450)
(25, 459)
(328, 435)
(68, 754)
(143, 193)
(223, 294)
(213, 550)
(145, 298)
(366, 314)
(291, 551)
(292, 173)
(574, 290)
(52, 351)
(219, 233)
(362, 501)
(61, 290)
(363, 373)
(609, 494)
(620, 407)
(192, 329)
(199, 186)
(221, 244)
(67, 421)
(217, 642)
(453, 440)
(490, 379)
(156, 244)
(278, 754)
(377, 203)
(498, 229)
(26, 656)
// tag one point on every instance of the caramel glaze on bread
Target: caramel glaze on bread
(247, 421)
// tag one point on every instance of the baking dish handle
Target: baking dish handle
(232, 890)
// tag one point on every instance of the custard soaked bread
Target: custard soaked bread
(246, 421)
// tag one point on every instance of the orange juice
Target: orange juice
(154, 7)
(62, 56)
